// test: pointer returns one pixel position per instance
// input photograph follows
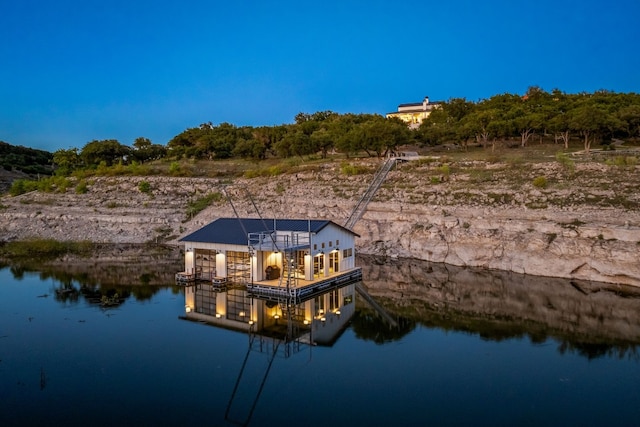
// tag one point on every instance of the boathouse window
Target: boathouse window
(319, 303)
(322, 245)
(346, 253)
(330, 243)
(300, 262)
(238, 305)
(348, 299)
(337, 242)
(205, 300)
(315, 246)
(333, 300)
(334, 262)
(238, 267)
(206, 262)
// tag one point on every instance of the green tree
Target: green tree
(109, 151)
(66, 161)
(144, 150)
(593, 122)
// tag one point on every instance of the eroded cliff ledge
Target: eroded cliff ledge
(583, 223)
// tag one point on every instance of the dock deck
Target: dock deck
(274, 290)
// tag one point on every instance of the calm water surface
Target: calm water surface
(468, 348)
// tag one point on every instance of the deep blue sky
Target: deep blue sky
(72, 71)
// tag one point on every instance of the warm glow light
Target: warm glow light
(321, 311)
(251, 322)
(306, 322)
(338, 312)
(218, 315)
(187, 309)
(242, 314)
(276, 316)
(323, 319)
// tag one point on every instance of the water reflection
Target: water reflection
(113, 275)
(276, 327)
(587, 318)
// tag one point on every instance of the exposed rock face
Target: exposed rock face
(583, 229)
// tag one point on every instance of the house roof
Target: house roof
(230, 230)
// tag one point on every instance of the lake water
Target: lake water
(429, 345)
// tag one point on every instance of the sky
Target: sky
(73, 71)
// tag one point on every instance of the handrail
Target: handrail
(377, 181)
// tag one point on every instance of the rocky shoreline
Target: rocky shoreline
(473, 214)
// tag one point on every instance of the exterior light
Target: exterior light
(338, 312)
(306, 322)
(321, 311)
(323, 319)
(187, 309)
(242, 314)
(251, 322)
(218, 315)
(276, 316)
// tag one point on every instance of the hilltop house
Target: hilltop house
(413, 114)
(289, 253)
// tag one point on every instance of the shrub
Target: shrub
(349, 169)
(174, 168)
(540, 182)
(144, 187)
(82, 187)
(622, 161)
(198, 205)
(22, 186)
(566, 162)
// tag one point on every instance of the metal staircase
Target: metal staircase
(361, 206)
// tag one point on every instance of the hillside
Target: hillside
(17, 162)
(581, 220)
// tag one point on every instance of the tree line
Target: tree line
(28, 160)
(598, 117)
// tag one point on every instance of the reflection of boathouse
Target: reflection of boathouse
(275, 258)
(318, 318)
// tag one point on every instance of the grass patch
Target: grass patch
(351, 169)
(540, 182)
(47, 248)
(198, 205)
(567, 163)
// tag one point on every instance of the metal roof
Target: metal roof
(230, 230)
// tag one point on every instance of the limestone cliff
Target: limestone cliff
(583, 223)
